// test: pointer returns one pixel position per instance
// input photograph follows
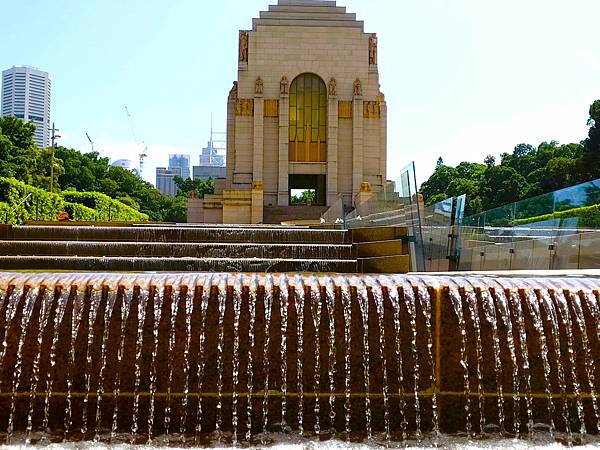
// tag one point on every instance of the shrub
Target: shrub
(24, 202)
(80, 213)
(20, 202)
(107, 208)
(589, 216)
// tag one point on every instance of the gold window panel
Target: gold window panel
(308, 119)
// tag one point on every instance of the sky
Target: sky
(462, 78)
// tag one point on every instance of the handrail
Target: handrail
(15, 207)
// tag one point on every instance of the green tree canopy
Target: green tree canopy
(525, 172)
(196, 186)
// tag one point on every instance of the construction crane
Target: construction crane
(144, 153)
(90, 139)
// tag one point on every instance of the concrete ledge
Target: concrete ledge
(371, 234)
(384, 264)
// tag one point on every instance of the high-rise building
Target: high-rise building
(180, 162)
(212, 158)
(165, 182)
(26, 95)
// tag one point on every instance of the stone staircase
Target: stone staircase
(176, 248)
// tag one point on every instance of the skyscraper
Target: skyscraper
(180, 162)
(165, 182)
(26, 95)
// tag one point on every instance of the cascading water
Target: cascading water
(394, 358)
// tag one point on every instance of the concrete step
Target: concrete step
(307, 23)
(175, 250)
(174, 234)
(129, 264)
(381, 248)
(279, 214)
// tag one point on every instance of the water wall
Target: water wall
(232, 356)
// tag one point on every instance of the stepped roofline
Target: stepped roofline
(307, 13)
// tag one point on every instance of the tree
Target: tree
(501, 185)
(438, 182)
(523, 150)
(305, 198)
(589, 164)
(82, 171)
(20, 158)
(19, 132)
(198, 186)
(490, 160)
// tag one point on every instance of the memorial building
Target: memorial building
(306, 113)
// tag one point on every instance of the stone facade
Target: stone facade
(264, 161)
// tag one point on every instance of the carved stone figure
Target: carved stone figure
(259, 86)
(248, 107)
(243, 46)
(373, 50)
(283, 85)
(357, 88)
(332, 87)
(233, 93)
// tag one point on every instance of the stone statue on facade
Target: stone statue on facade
(259, 86)
(332, 87)
(357, 88)
(373, 50)
(233, 93)
(283, 85)
(243, 46)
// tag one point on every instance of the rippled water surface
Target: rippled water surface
(294, 442)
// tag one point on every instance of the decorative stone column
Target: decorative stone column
(230, 157)
(357, 139)
(258, 140)
(383, 140)
(283, 197)
(332, 143)
(258, 154)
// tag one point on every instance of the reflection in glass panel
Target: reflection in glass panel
(589, 257)
(566, 252)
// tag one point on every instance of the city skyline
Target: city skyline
(461, 80)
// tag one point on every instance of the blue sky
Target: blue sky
(462, 78)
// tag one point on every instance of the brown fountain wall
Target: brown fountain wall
(441, 378)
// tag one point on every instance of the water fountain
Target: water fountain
(234, 358)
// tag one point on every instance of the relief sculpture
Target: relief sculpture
(371, 110)
(357, 88)
(332, 87)
(259, 86)
(373, 50)
(283, 86)
(243, 57)
(244, 107)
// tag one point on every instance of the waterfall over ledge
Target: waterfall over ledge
(238, 356)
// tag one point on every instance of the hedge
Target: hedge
(589, 216)
(24, 202)
(20, 202)
(80, 213)
(107, 209)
